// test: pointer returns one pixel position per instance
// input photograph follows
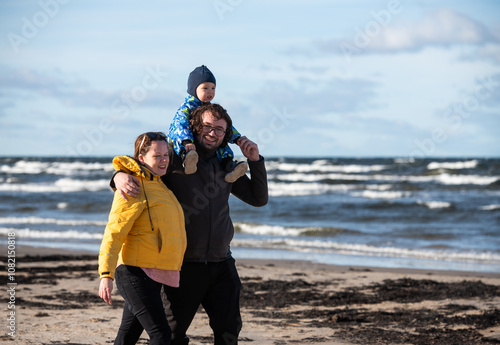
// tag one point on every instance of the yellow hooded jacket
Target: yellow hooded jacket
(131, 238)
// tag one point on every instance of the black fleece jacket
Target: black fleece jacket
(204, 198)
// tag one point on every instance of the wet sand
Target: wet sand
(283, 302)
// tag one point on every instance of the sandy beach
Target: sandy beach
(283, 302)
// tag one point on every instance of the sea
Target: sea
(428, 213)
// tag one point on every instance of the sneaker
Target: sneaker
(190, 161)
(239, 169)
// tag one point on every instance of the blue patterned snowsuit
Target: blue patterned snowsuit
(180, 129)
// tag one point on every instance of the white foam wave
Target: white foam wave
(367, 250)
(434, 204)
(63, 185)
(319, 177)
(374, 194)
(39, 220)
(379, 187)
(407, 160)
(62, 205)
(299, 189)
(263, 229)
(297, 184)
(453, 165)
(44, 234)
(308, 184)
(56, 168)
(447, 179)
(466, 179)
(324, 166)
(273, 230)
(490, 207)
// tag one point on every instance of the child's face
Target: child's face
(205, 92)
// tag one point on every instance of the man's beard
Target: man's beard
(201, 147)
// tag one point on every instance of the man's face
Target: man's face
(210, 137)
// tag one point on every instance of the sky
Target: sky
(316, 78)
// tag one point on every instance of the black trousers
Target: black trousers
(214, 285)
(143, 308)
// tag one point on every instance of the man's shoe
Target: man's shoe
(239, 169)
(190, 162)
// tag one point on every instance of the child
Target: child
(201, 89)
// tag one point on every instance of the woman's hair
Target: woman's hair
(144, 141)
(219, 113)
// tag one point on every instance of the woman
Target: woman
(145, 237)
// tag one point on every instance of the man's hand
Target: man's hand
(105, 289)
(127, 185)
(249, 149)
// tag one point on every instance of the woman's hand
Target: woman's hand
(127, 185)
(105, 289)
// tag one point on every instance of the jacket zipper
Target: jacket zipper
(212, 178)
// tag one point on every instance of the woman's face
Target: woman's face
(156, 159)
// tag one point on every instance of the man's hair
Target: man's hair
(219, 113)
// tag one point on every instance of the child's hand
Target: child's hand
(190, 147)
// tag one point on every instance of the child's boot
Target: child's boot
(238, 169)
(190, 161)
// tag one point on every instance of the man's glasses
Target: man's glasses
(217, 130)
(153, 136)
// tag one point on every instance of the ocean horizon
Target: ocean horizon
(425, 213)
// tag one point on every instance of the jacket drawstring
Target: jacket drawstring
(149, 214)
(147, 204)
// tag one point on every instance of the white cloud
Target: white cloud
(441, 28)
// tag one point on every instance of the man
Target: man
(208, 275)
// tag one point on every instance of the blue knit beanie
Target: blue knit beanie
(199, 75)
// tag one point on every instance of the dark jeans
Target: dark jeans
(143, 308)
(216, 286)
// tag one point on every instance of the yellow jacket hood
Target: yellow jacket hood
(131, 166)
